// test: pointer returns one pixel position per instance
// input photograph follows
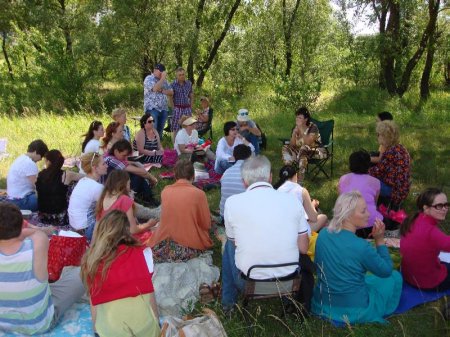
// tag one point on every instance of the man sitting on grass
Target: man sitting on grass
(28, 304)
(263, 226)
(22, 175)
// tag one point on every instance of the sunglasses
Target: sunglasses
(150, 121)
(96, 154)
(440, 206)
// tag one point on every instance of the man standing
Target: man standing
(156, 90)
(182, 99)
(263, 226)
(248, 129)
(22, 175)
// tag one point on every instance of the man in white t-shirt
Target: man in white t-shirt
(263, 226)
(22, 175)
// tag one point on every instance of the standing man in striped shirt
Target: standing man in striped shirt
(183, 97)
(28, 304)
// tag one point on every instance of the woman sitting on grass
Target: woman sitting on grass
(288, 184)
(359, 180)
(147, 141)
(52, 186)
(344, 292)
(183, 233)
(117, 271)
(422, 241)
(116, 196)
(226, 145)
(114, 132)
(394, 168)
(140, 179)
(91, 142)
(86, 193)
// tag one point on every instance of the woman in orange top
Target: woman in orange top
(185, 221)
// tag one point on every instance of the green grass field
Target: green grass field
(425, 131)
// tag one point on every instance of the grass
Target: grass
(425, 132)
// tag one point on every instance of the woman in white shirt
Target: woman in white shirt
(91, 142)
(86, 194)
(226, 145)
(288, 184)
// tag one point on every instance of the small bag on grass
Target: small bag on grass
(207, 325)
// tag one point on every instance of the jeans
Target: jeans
(28, 202)
(254, 140)
(159, 119)
(385, 190)
(223, 165)
(232, 282)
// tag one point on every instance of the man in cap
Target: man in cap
(248, 129)
(156, 90)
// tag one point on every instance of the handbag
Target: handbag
(207, 325)
(169, 158)
(64, 251)
(391, 215)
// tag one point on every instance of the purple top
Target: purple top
(181, 93)
(368, 186)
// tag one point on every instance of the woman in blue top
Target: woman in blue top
(344, 292)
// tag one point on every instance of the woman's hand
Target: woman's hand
(378, 232)
(315, 203)
(152, 179)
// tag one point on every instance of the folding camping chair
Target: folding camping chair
(317, 165)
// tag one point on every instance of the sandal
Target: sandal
(215, 288)
(206, 294)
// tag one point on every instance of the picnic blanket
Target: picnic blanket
(76, 322)
(412, 297)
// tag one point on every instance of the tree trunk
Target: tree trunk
(287, 30)
(194, 44)
(447, 73)
(433, 10)
(389, 47)
(5, 55)
(382, 16)
(65, 28)
(177, 48)
(213, 52)
(426, 73)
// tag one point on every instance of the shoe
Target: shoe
(206, 294)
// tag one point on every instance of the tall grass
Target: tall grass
(425, 133)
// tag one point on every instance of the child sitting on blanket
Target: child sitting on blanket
(117, 271)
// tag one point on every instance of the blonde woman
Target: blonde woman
(344, 292)
(120, 116)
(117, 271)
(86, 193)
(394, 167)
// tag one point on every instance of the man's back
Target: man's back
(265, 225)
(25, 304)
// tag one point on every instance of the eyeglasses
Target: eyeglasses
(93, 156)
(150, 121)
(243, 113)
(440, 206)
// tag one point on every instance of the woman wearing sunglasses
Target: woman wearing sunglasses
(147, 141)
(422, 241)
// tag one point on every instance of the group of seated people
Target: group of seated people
(264, 224)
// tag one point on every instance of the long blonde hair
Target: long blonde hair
(109, 233)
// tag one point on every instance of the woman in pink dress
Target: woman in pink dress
(369, 187)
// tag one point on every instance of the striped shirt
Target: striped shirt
(231, 184)
(25, 302)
